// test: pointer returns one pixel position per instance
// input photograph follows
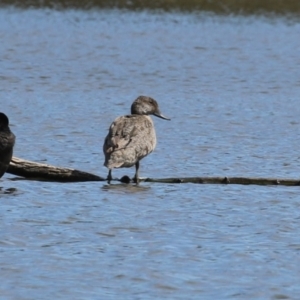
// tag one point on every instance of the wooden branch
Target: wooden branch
(44, 172)
(227, 180)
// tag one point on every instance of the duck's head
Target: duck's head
(144, 105)
(3, 121)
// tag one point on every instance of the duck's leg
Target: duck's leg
(109, 177)
(136, 176)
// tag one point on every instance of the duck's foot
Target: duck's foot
(109, 177)
(125, 179)
(136, 180)
(136, 176)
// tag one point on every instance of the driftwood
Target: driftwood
(43, 172)
(227, 180)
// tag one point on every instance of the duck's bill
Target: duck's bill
(158, 114)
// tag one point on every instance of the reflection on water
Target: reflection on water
(122, 188)
(7, 191)
(231, 86)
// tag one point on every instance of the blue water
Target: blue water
(231, 87)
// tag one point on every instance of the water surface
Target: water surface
(231, 87)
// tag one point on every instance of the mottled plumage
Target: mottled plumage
(7, 141)
(131, 137)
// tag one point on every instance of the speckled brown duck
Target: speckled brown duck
(7, 141)
(131, 137)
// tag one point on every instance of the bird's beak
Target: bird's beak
(157, 113)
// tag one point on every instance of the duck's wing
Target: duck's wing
(120, 134)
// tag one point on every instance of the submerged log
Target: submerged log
(44, 172)
(227, 180)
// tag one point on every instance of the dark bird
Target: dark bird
(7, 141)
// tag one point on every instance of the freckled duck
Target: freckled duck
(7, 141)
(131, 137)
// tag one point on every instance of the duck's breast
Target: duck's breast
(145, 139)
